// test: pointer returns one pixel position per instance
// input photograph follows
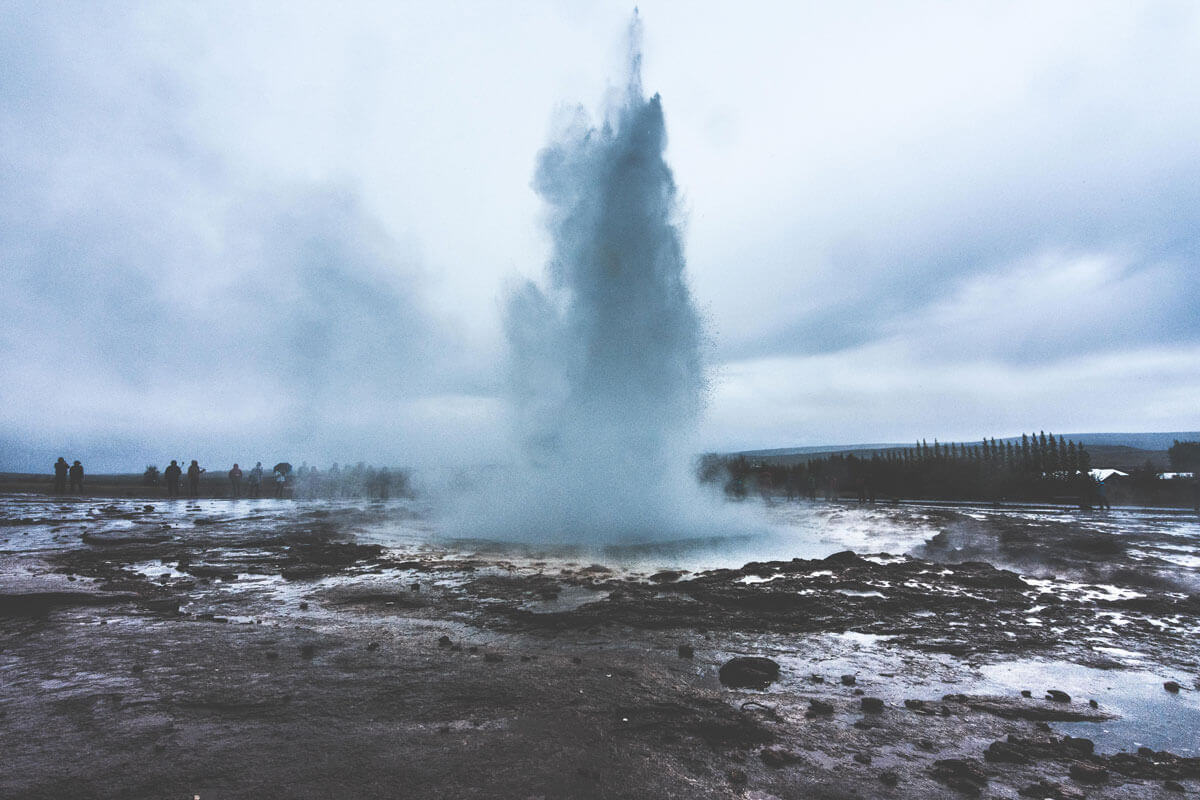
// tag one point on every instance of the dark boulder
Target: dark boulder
(749, 672)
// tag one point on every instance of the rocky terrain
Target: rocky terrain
(291, 652)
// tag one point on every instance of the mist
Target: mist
(606, 379)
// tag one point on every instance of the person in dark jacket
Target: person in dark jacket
(60, 475)
(76, 474)
(235, 481)
(172, 474)
(194, 471)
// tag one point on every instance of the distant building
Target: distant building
(1103, 475)
(1171, 476)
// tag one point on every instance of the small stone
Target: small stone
(1058, 696)
(303, 605)
(776, 757)
(889, 778)
(915, 705)
(373, 645)
(848, 680)
(819, 708)
(964, 774)
(416, 587)
(576, 660)
(1005, 753)
(859, 692)
(737, 777)
(872, 704)
(926, 744)
(1079, 745)
(137, 668)
(817, 679)
(1172, 687)
(862, 758)
(444, 641)
(686, 651)
(1093, 704)
(1088, 773)
(1026, 693)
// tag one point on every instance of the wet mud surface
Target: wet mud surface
(263, 650)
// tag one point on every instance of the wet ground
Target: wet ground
(349, 649)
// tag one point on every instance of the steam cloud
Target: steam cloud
(606, 374)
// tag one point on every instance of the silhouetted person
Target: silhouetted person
(61, 467)
(256, 480)
(194, 479)
(385, 483)
(235, 481)
(172, 474)
(1102, 495)
(280, 481)
(76, 474)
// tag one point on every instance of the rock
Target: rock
(1048, 790)
(1058, 696)
(862, 758)
(686, 651)
(1026, 693)
(818, 708)
(872, 704)
(817, 679)
(1005, 753)
(493, 658)
(889, 778)
(666, 576)
(1172, 687)
(776, 757)
(303, 605)
(576, 660)
(848, 680)
(914, 705)
(927, 744)
(1088, 773)
(1173, 786)
(749, 672)
(147, 508)
(1079, 745)
(859, 692)
(1093, 704)
(737, 777)
(964, 774)
(1146, 752)
(444, 641)
(373, 645)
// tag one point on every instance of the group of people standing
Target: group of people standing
(64, 472)
(254, 480)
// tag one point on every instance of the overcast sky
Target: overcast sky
(244, 231)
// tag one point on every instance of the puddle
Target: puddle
(1149, 716)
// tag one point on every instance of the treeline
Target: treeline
(1038, 467)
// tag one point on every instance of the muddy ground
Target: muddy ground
(147, 654)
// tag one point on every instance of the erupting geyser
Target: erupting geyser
(606, 373)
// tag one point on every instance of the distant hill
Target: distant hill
(1118, 450)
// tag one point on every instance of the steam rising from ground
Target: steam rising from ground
(606, 374)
